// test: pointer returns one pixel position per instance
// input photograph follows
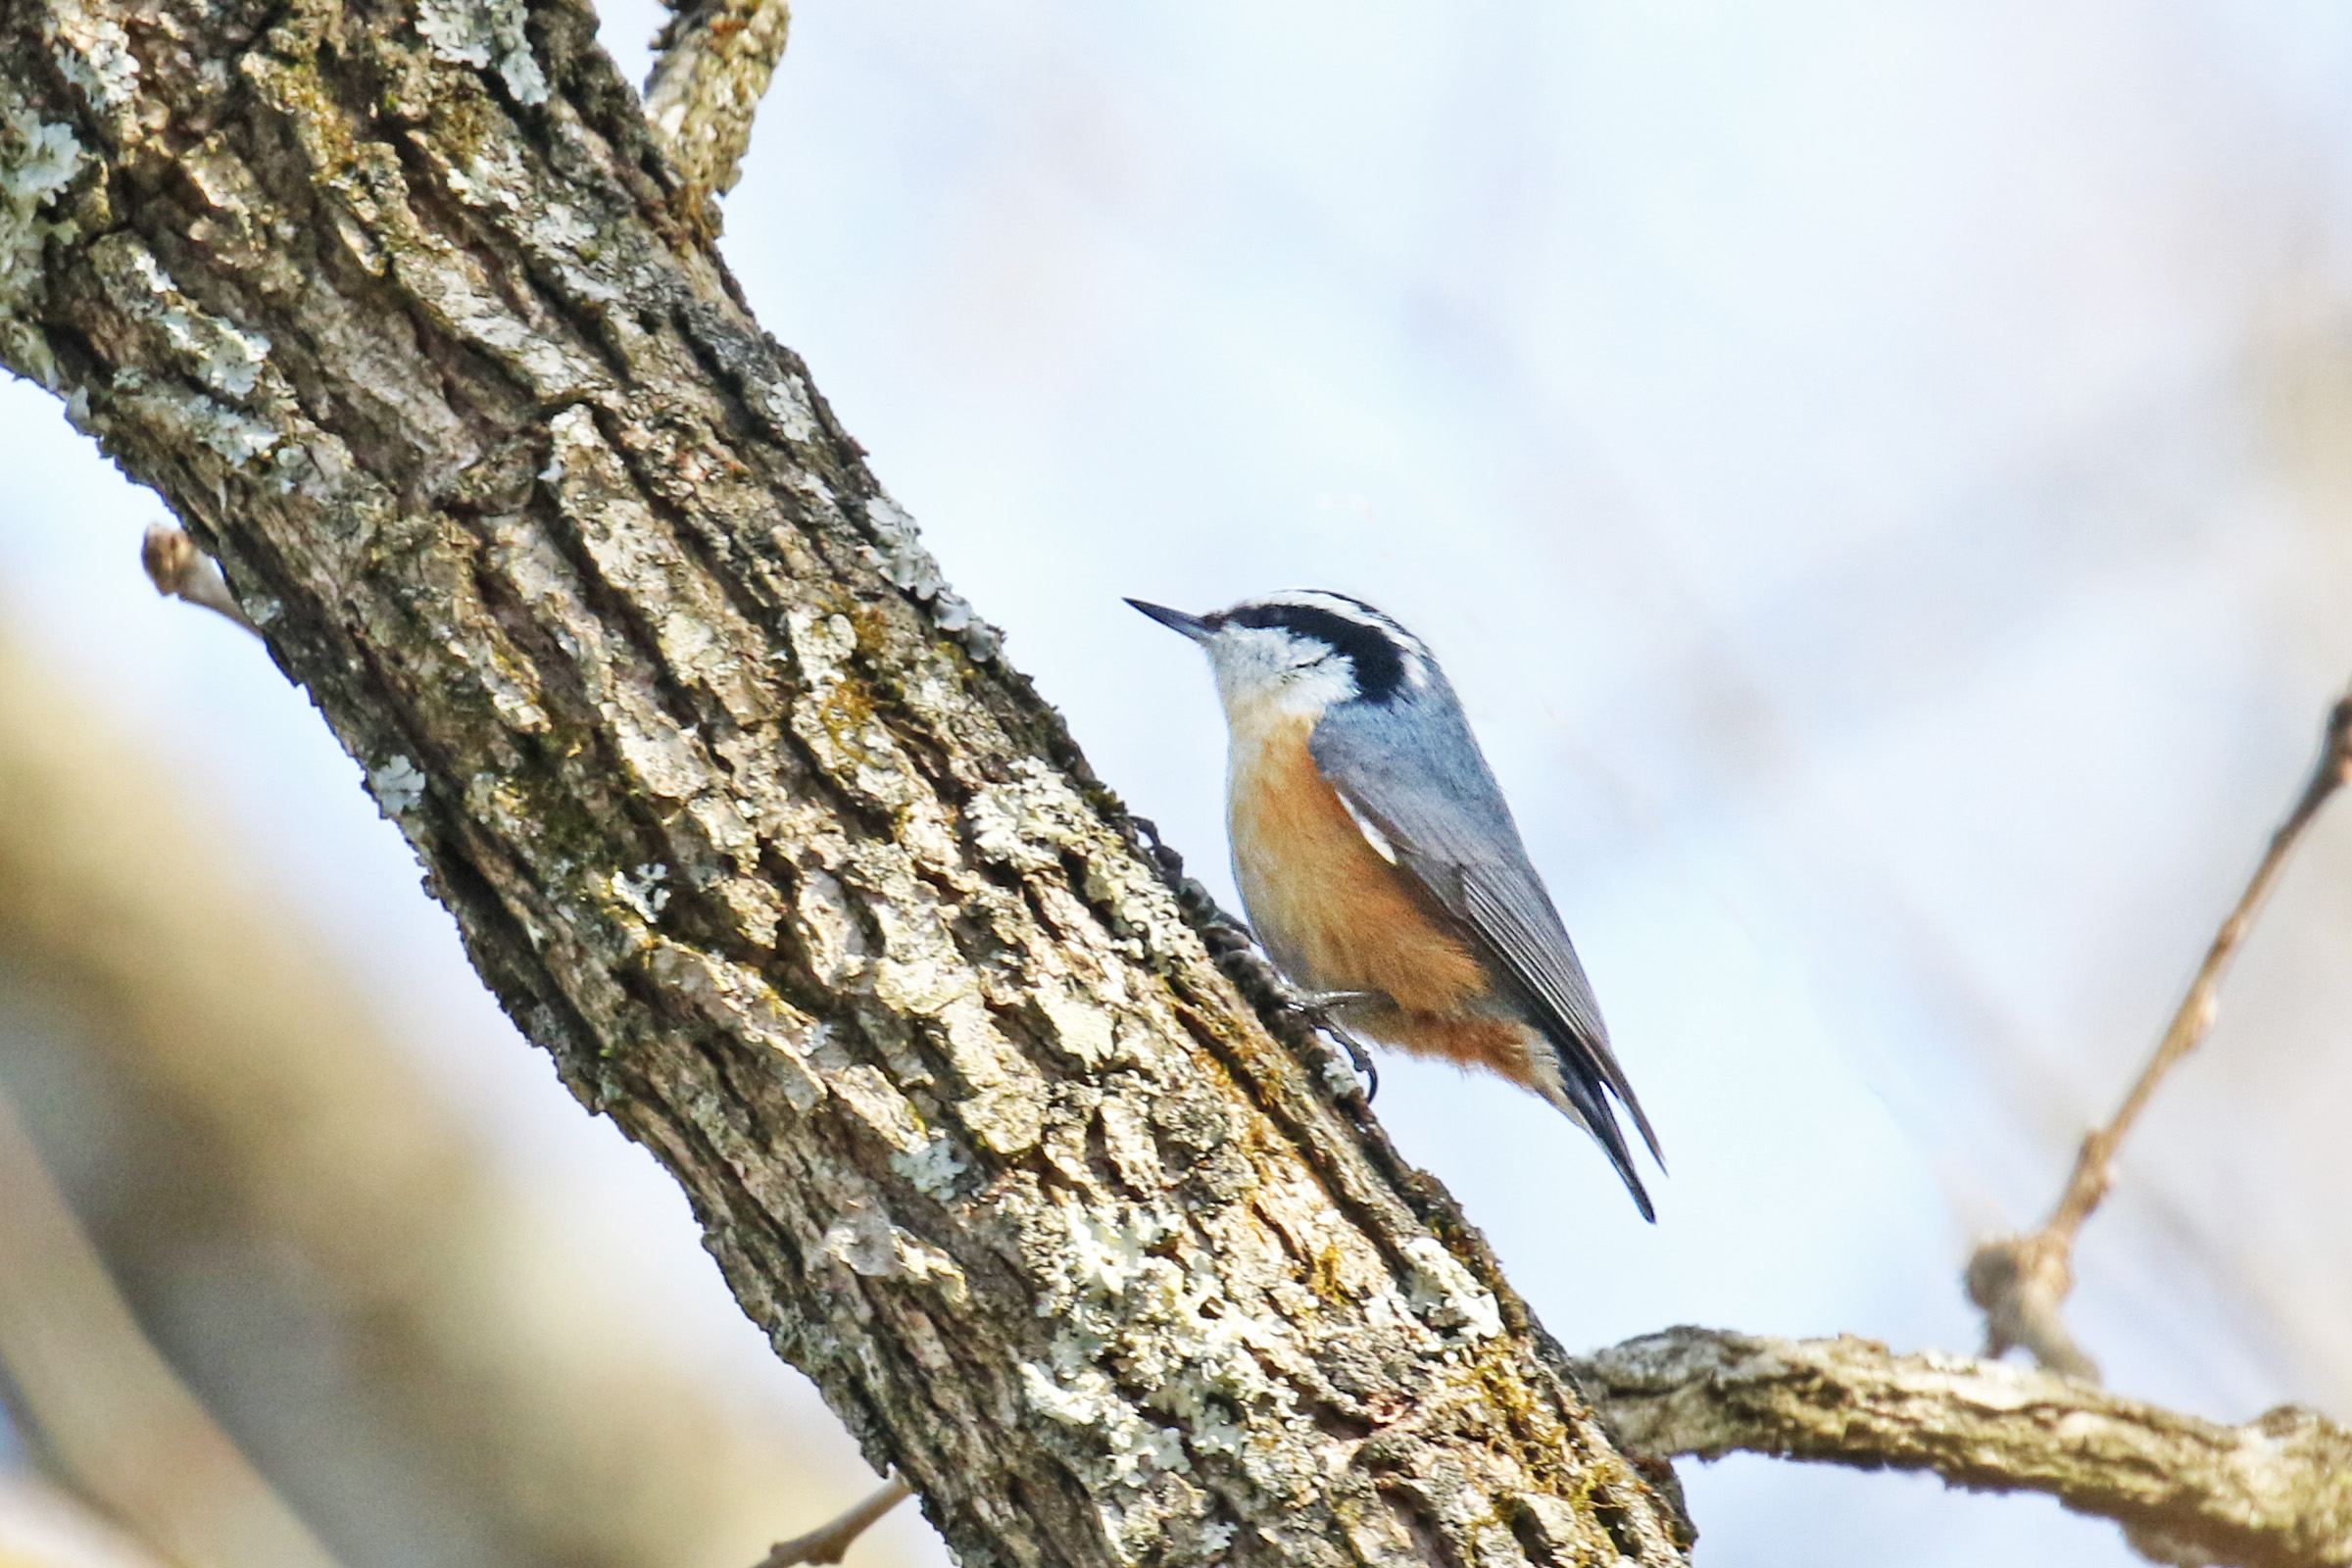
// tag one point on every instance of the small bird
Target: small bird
(1380, 866)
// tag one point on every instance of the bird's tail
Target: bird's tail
(1587, 1105)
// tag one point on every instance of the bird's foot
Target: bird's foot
(1322, 1010)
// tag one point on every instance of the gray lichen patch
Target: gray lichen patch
(1445, 1293)
(485, 32)
(1036, 816)
(92, 51)
(871, 1246)
(1142, 1306)
(935, 1168)
(39, 160)
(899, 552)
(397, 785)
(176, 412)
(236, 407)
(225, 357)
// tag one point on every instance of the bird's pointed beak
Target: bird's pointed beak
(1192, 626)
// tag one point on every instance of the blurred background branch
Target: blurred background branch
(43, 1527)
(113, 1420)
(2021, 1282)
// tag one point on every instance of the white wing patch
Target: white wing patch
(1371, 832)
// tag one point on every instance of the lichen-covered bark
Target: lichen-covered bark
(2273, 1494)
(738, 808)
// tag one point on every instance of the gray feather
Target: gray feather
(1413, 769)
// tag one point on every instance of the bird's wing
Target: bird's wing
(1510, 913)
(1455, 835)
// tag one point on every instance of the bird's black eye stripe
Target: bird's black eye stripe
(1379, 662)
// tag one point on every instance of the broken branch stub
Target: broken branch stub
(829, 1542)
(713, 64)
(182, 570)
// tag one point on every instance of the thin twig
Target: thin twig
(827, 1542)
(181, 570)
(2021, 1281)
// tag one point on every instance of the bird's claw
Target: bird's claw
(1319, 1007)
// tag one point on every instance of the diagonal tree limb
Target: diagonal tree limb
(742, 814)
(2273, 1494)
(2021, 1282)
(716, 58)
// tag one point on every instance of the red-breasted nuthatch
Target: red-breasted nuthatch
(1380, 866)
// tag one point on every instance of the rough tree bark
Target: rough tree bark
(739, 811)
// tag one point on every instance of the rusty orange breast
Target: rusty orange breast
(1330, 910)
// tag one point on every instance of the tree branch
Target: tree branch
(2273, 1494)
(715, 60)
(2021, 1282)
(742, 817)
